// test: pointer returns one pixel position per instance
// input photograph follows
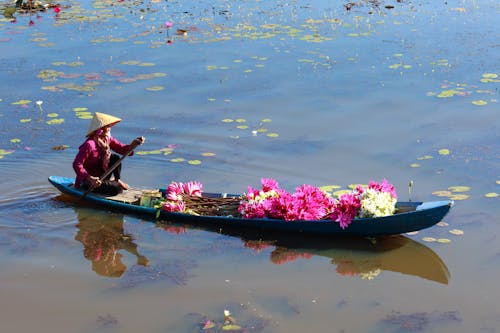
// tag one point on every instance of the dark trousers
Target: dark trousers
(108, 186)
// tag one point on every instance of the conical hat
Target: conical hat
(100, 120)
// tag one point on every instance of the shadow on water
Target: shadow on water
(102, 236)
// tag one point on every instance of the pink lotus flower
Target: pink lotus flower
(57, 10)
(174, 191)
(193, 188)
(171, 206)
(168, 24)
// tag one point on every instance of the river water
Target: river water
(228, 92)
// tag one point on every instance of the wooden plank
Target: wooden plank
(130, 196)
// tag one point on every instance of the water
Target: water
(302, 92)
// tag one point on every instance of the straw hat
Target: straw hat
(100, 120)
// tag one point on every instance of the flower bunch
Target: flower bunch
(307, 203)
(377, 199)
(311, 203)
(174, 196)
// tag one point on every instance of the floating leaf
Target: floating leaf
(194, 162)
(443, 240)
(26, 120)
(80, 109)
(273, 135)
(444, 151)
(266, 120)
(231, 327)
(15, 140)
(429, 239)
(207, 154)
(340, 192)
(425, 157)
(459, 196)
(479, 102)
(442, 224)
(415, 165)
(490, 75)
(21, 102)
(60, 147)
(177, 160)
(242, 127)
(4, 152)
(241, 120)
(52, 115)
(329, 188)
(227, 120)
(55, 121)
(491, 195)
(442, 193)
(156, 88)
(456, 232)
(459, 188)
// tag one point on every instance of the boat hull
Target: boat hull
(424, 216)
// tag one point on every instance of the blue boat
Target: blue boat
(410, 216)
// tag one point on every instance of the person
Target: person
(94, 157)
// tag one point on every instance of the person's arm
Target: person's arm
(82, 174)
(121, 148)
(79, 162)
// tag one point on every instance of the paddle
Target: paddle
(113, 167)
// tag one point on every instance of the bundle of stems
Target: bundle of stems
(212, 206)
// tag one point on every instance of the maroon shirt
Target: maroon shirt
(88, 161)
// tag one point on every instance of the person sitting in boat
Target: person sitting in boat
(94, 157)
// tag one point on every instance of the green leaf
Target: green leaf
(9, 11)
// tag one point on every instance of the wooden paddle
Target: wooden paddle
(113, 167)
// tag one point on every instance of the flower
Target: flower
(345, 209)
(168, 24)
(193, 188)
(57, 10)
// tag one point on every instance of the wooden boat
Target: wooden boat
(410, 216)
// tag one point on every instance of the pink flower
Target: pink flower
(269, 184)
(193, 188)
(171, 206)
(57, 10)
(345, 209)
(174, 191)
(383, 186)
(168, 24)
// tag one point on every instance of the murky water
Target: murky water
(304, 92)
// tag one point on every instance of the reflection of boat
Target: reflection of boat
(352, 255)
(102, 240)
(412, 216)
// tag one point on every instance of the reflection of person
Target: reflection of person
(102, 239)
(94, 156)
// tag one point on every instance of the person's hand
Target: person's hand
(138, 141)
(94, 182)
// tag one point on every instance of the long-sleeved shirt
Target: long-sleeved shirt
(88, 161)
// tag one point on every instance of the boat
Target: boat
(410, 216)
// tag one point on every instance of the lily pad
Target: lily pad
(459, 188)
